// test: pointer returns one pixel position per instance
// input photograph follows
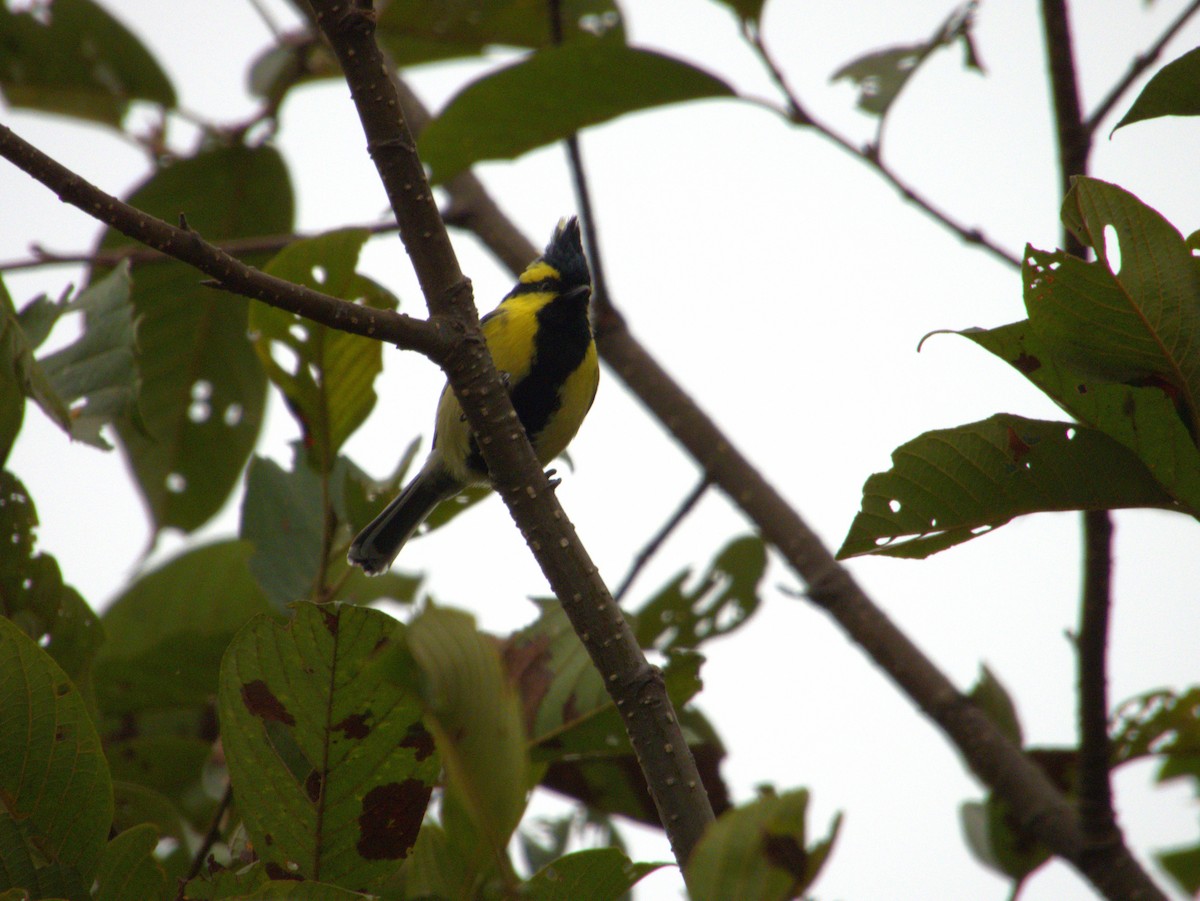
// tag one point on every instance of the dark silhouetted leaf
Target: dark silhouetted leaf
(1173, 91)
(880, 76)
(203, 388)
(951, 485)
(58, 802)
(994, 700)
(552, 94)
(759, 851)
(35, 598)
(329, 761)
(415, 31)
(74, 58)
(724, 598)
(255, 882)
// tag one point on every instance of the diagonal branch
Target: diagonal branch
(870, 156)
(1140, 64)
(637, 688)
(229, 273)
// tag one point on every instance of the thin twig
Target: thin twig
(797, 114)
(211, 837)
(141, 254)
(660, 537)
(1140, 64)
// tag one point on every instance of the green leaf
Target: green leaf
(328, 759)
(35, 598)
(171, 767)
(129, 869)
(15, 355)
(881, 75)
(57, 794)
(1184, 866)
(553, 93)
(758, 851)
(327, 376)
(168, 630)
(1145, 420)
(1133, 315)
(254, 882)
(951, 485)
(414, 31)
(597, 874)
(203, 388)
(73, 58)
(283, 517)
(96, 376)
(474, 713)
(995, 841)
(1173, 91)
(135, 804)
(1158, 722)
(997, 704)
(726, 596)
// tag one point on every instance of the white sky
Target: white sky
(786, 287)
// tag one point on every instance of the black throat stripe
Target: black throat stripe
(561, 343)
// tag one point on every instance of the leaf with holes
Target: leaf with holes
(203, 388)
(77, 61)
(57, 793)
(95, 377)
(881, 75)
(1145, 420)
(35, 598)
(415, 31)
(1158, 722)
(474, 712)
(758, 851)
(951, 485)
(329, 760)
(553, 93)
(1173, 91)
(326, 375)
(1133, 315)
(724, 598)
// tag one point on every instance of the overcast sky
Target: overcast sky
(786, 287)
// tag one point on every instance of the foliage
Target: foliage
(255, 663)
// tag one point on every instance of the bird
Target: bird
(540, 338)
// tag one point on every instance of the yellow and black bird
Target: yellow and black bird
(540, 339)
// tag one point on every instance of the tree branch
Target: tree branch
(636, 687)
(1039, 809)
(1140, 64)
(798, 115)
(229, 272)
(1103, 854)
(652, 546)
(112, 256)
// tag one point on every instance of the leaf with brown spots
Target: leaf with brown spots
(759, 851)
(317, 740)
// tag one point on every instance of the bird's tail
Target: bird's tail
(377, 545)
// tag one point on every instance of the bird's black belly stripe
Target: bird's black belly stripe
(560, 345)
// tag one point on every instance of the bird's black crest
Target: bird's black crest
(565, 253)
